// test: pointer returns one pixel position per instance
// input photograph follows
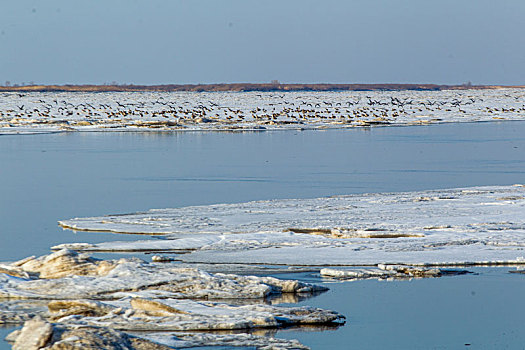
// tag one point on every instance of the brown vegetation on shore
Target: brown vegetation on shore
(239, 87)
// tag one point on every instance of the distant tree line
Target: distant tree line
(239, 87)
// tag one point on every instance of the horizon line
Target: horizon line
(246, 87)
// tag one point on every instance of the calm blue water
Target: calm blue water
(484, 310)
(45, 178)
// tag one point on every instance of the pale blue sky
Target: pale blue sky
(211, 41)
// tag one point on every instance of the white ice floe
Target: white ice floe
(76, 292)
(188, 340)
(89, 301)
(477, 225)
(81, 277)
(38, 333)
(146, 111)
(139, 314)
(388, 272)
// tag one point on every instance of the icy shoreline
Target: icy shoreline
(26, 113)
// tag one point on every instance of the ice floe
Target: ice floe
(146, 111)
(81, 277)
(139, 314)
(389, 272)
(65, 297)
(38, 333)
(185, 340)
(478, 225)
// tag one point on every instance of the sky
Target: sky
(292, 41)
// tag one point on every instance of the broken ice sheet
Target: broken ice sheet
(38, 334)
(15, 312)
(188, 340)
(101, 296)
(62, 336)
(477, 225)
(388, 272)
(140, 314)
(77, 276)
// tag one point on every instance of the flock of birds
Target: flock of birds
(76, 111)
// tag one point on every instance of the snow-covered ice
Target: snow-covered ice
(80, 284)
(478, 225)
(38, 333)
(388, 272)
(79, 276)
(138, 314)
(75, 291)
(39, 112)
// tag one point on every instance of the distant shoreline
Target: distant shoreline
(245, 87)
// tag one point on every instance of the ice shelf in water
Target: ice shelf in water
(142, 111)
(477, 225)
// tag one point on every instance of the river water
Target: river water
(45, 178)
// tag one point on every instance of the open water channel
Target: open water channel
(48, 177)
